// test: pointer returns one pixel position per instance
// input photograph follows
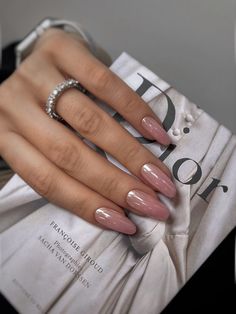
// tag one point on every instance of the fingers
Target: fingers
(75, 60)
(52, 183)
(59, 165)
(71, 155)
(101, 129)
(98, 127)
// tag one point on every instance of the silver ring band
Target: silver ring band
(56, 93)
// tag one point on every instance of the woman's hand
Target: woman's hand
(55, 162)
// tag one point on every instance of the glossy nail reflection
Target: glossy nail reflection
(158, 179)
(156, 130)
(114, 220)
(147, 205)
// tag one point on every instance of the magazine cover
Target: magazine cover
(52, 261)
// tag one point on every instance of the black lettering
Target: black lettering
(214, 184)
(195, 178)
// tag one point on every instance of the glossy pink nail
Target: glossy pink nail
(114, 220)
(147, 205)
(158, 179)
(156, 130)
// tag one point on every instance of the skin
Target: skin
(48, 155)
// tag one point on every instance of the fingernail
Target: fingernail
(156, 130)
(114, 220)
(158, 179)
(147, 205)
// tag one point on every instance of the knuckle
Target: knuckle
(43, 53)
(51, 41)
(24, 70)
(12, 83)
(31, 64)
(68, 103)
(80, 207)
(131, 152)
(109, 186)
(129, 104)
(101, 79)
(89, 122)
(65, 155)
(41, 182)
(10, 89)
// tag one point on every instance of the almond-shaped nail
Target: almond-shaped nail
(114, 220)
(158, 179)
(147, 205)
(156, 130)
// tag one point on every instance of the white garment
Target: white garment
(136, 274)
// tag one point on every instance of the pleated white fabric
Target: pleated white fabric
(45, 250)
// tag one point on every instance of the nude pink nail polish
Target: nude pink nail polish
(158, 179)
(147, 205)
(114, 220)
(156, 130)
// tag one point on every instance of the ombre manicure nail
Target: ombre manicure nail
(147, 205)
(114, 220)
(158, 179)
(156, 130)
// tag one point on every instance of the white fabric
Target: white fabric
(136, 274)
